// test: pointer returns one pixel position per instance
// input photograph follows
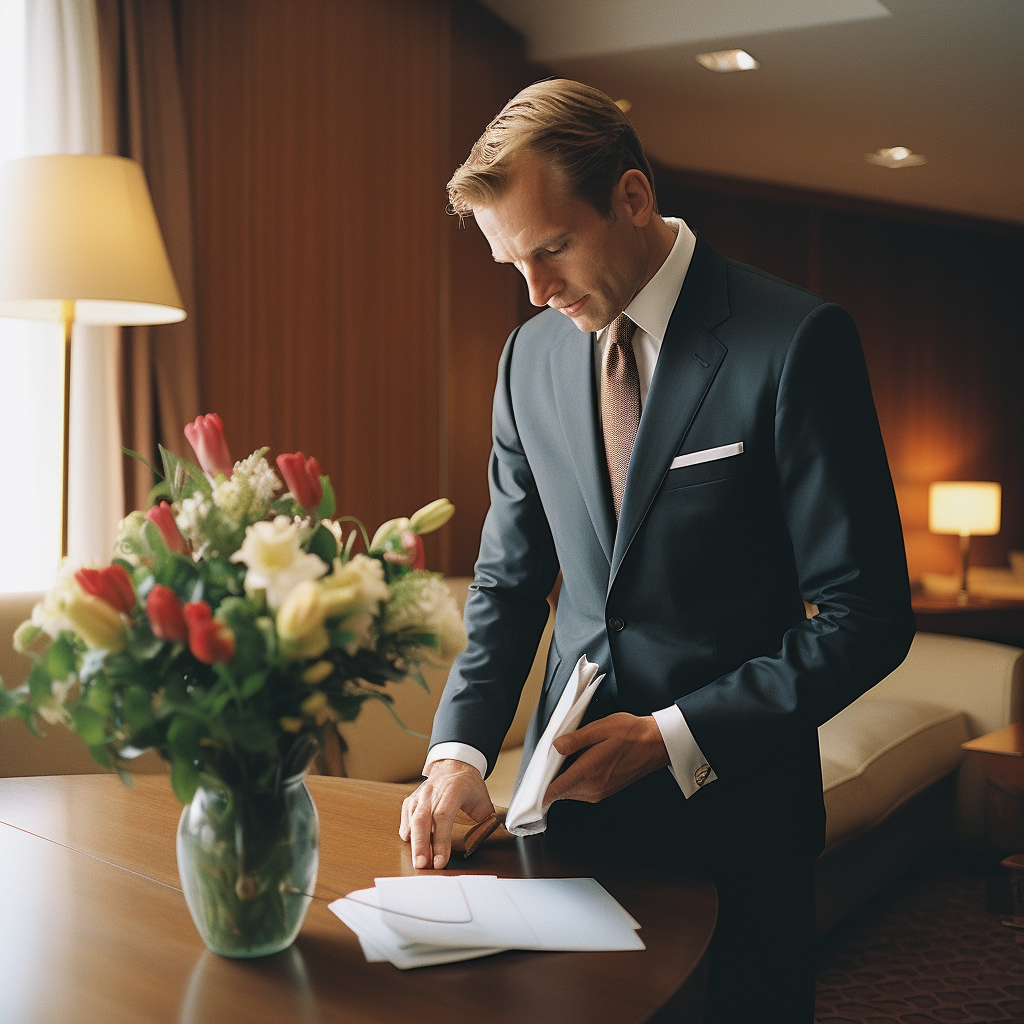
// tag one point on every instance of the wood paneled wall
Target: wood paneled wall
(935, 299)
(318, 134)
(340, 311)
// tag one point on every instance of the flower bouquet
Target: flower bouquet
(231, 629)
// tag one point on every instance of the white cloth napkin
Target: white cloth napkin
(528, 814)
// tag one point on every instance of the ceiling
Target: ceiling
(838, 79)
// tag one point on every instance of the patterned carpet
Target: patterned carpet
(925, 952)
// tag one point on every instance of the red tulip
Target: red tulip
(210, 640)
(206, 435)
(162, 517)
(112, 585)
(302, 476)
(166, 617)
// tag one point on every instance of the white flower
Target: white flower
(129, 540)
(423, 603)
(50, 614)
(275, 559)
(354, 592)
(192, 513)
(249, 492)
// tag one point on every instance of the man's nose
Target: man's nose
(542, 284)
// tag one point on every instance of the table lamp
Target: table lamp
(79, 241)
(965, 508)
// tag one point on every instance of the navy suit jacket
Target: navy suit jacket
(696, 597)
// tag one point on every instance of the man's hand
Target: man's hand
(429, 813)
(618, 750)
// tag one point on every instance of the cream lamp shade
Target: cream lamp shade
(967, 508)
(82, 229)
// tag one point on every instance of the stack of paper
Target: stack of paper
(418, 920)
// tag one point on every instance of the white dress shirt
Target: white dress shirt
(650, 310)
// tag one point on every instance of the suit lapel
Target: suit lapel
(572, 366)
(687, 364)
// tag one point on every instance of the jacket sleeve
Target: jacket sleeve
(507, 606)
(840, 510)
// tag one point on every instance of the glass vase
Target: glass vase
(248, 862)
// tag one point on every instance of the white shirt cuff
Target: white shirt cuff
(688, 765)
(457, 752)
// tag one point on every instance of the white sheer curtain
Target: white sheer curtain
(53, 92)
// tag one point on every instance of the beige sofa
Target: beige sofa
(894, 777)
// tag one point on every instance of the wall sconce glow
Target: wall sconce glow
(727, 60)
(898, 156)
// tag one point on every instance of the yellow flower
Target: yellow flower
(95, 621)
(290, 724)
(431, 517)
(317, 708)
(300, 622)
(317, 672)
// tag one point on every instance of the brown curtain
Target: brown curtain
(144, 118)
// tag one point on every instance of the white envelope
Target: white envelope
(708, 455)
(527, 813)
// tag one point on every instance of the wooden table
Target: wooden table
(94, 928)
(1002, 756)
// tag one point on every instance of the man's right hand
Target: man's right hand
(429, 813)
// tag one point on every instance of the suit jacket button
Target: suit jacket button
(616, 624)
(700, 776)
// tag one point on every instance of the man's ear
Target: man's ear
(635, 192)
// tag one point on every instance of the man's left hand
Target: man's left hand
(617, 751)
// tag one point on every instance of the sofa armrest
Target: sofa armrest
(982, 679)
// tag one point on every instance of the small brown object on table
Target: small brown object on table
(94, 927)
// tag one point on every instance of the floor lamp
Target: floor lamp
(79, 242)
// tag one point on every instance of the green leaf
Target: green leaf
(184, 780)
(8, 703)
(137, 708)
(100, 754)
(184, 476)
(252, 684)
(144, 461)
(125, 776)
(40, 685)
(184, 738)
(59, 659)
(88, 724)
(323, 545)
(99, 695)
(327, 503)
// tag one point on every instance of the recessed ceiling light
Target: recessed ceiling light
(624, 105)
(727, 60)
(898, 156)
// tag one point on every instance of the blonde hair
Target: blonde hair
(586, 138)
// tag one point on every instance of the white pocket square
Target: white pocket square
(708, 455)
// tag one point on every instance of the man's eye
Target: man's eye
(560, 249)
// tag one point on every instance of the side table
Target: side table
(1001, 754)
(1000, 621)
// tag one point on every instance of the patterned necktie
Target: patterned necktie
(620, 403)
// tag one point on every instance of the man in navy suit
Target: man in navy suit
(756, 481)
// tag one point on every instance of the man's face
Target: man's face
(586, 266)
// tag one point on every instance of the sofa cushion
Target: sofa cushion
(877, 754)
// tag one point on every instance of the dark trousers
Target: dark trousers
(761, 961)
